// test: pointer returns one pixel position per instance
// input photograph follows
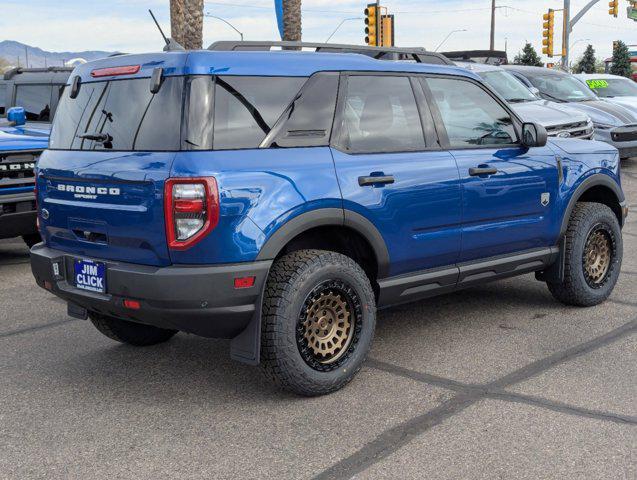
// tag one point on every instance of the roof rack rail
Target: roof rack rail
(415, 54)
(9, 74)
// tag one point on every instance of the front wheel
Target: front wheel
(319, 317)
(593, 256)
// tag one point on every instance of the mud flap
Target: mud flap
(555, 273)
(246, 347)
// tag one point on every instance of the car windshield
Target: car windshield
(563, 88)
(507, 86)
(612, 87)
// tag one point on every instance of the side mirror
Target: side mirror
(17, 116)
(534, 135)
(535, 91)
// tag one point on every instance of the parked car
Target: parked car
(613, 124)
(20, 148)
(280, 198)
(612, 88)
(30, 97)
(37, 90)
(558, 119)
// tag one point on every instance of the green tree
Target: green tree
(587, 63)
(4, 65)
(621, 60)
(528, 56)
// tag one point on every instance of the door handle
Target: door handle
(480, 171)
(379, 180)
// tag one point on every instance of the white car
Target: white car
(612, 88)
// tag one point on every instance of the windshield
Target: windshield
(558, 87)
(613, 87)
(507, 86)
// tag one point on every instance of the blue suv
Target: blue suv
(279, 199)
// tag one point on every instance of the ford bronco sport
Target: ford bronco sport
(279, 199)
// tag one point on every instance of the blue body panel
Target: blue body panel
(434, 215)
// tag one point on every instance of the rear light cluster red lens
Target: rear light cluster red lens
(191, 207)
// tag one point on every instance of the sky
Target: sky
(124, 25)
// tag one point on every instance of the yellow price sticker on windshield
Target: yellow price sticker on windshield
(597, 84)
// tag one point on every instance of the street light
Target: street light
(447, 37)
(339, 26)
(226, 22)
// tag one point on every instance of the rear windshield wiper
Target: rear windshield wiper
(96, 137)
(519, 100)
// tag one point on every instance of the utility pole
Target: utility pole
(26, 55)
(492, 47)
(567, 34)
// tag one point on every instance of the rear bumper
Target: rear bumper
(17, 215)
(197, 299)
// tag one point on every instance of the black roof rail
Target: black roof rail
(491, 57)
(9, 74)
(416, 54)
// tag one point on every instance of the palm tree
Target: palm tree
(186, 23)
(177, 20)
(292, 20)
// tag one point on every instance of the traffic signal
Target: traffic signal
(613, 8)
(387, 30)
(548, 33)
(371, 25)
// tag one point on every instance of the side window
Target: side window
(246, 108)
(470, 115)
(380, 115)
(36, 101)
(310, 117)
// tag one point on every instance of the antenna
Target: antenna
(171, 44)
(158, 27)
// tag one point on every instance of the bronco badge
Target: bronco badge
(545, 199)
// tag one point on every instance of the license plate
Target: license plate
(90, 275)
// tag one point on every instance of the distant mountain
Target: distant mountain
(15, 54)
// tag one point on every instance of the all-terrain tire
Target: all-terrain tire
(296, 280)
(31, 239)
(577, 288)
(132, 333)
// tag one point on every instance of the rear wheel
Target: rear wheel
(319, 316)
(593, 256)
(132, 333)
(31, 239)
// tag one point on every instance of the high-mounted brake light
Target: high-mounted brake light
(191, 209)
(114, 71)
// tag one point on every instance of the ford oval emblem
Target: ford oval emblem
(45, 214)
(564, 135)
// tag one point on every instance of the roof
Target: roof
(479, 67)
(38, 75)
(601, 76)
(278, 63)
(527, 69)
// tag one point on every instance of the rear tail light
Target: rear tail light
(191, 207)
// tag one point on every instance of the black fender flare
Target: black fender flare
(328, 217)
(595, 180)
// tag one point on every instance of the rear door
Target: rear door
(508, 190)
(105, 198)
(392, 171)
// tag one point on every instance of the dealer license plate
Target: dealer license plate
(90, 275)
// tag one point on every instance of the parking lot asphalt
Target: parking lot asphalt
(499, 381)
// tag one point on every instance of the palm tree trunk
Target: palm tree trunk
(193, 24)
(177, 20)
(292, 20)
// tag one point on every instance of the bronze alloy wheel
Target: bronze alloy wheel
(598, 255)
(328, 326)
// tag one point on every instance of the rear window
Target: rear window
(3, 99)
(123, 111)
(219, 113)
(36, 101)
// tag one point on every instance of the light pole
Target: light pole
(447, 37)
(226, 22)
(339, 26)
